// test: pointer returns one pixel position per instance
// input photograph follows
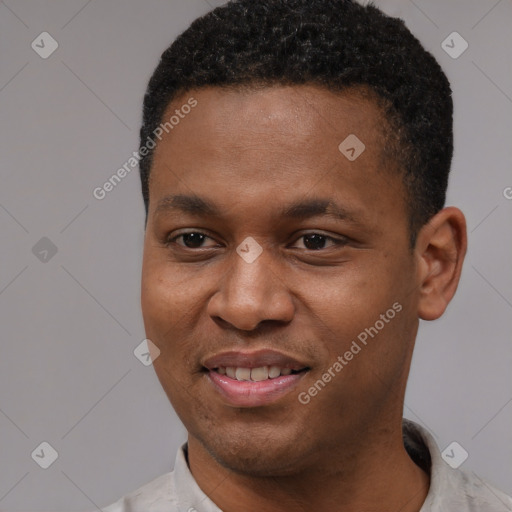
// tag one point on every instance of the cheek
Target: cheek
(346, 300)
(155, 299)
(346, 307)
(165, 309)
(173, 304)
(165, 291)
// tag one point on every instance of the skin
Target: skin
(250, 153)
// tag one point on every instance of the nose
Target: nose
(251, 293)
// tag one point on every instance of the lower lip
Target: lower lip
(253, 394)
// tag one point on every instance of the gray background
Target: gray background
(69, 325)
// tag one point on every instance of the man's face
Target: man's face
(319, 282)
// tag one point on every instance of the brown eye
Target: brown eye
(314, 242)
(193, 240)
(190, 240)
(317, 241)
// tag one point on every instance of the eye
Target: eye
(191, 240)
(317, 241)
(311, 241)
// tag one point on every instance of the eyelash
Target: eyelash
(169, 241)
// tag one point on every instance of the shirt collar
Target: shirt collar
(189, 496)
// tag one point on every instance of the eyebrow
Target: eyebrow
(305, 209)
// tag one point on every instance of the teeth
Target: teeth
(258, 374)
(274, 371)
(253, 374)
(243, 374)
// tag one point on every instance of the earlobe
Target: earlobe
(440, 248)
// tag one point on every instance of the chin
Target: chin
(261, 462)
(259, 454)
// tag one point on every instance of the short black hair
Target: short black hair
(337, 44)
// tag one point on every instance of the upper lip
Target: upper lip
(254, 359)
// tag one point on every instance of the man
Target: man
(294, 163)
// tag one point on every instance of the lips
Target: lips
(251, 379)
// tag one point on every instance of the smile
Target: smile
(253, 379)
(252, 393)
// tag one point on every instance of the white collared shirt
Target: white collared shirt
(451, 490)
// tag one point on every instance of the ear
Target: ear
(440, 249)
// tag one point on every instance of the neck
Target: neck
(373, 474)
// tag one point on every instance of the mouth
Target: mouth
(253, 379)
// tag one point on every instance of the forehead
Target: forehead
(274, 143)
(299, 124)
(308, 112)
